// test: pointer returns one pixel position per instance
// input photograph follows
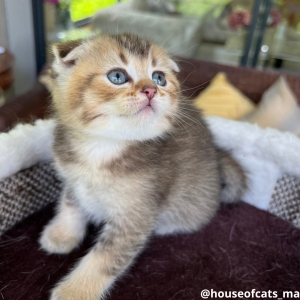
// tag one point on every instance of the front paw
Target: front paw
(68, 290)
(55, 239)
(88, 280)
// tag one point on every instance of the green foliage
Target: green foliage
(196, 7)
(64, 4)
(77, 33)
(82, 9)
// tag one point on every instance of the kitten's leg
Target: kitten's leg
(67, 229)
(188, 215)
(120, 242)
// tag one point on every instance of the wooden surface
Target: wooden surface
(6, 71)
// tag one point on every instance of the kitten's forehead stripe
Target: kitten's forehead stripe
(82, 88)
(123, 58)
(133, 44)
(154, 62)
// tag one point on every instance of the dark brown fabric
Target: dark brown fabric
(25, 108)
(6, 70)
(243, 248)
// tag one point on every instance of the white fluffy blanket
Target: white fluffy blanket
(265, 154)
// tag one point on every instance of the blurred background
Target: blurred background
(261, 34)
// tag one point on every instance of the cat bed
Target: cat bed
(242, 248)
(268, 156)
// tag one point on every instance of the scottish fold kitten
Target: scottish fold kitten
(134, 155)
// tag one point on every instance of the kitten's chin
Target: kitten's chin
(145, 112)
(144, 125)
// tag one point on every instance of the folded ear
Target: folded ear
(66, 54)
(174, 65)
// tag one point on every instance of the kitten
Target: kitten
(133, 154)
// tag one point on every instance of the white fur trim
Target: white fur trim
(24, 146)
(265, 154)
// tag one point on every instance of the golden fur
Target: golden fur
(139, 169)
(88, 87)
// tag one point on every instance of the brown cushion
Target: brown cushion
(25, 108)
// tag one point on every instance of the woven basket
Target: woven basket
(31, 189)
(26, 192)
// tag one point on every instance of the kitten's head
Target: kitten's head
(119, 86)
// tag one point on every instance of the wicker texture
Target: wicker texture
(26, 192)
(285, 201)
(30, 190)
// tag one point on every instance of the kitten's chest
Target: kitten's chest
(98, 192)
(99, 189)
(96, 195)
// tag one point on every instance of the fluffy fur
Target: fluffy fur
(265, 154)
(139, 165)
(25, 146)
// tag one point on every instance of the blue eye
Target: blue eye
(117, 77)
(159, 79)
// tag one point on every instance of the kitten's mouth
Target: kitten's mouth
(146, 108)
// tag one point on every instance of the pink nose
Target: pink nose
(150, 92)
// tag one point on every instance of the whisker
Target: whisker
(191, 126)
(195, 121)
(187, 49)
(192, 96)
(185, 61)
(196, 87)
(118, 26)
(188, 98)
(173, 138)
(169, 36)
(189, 104)
(187, 77)
(177, 121)
(195, 110)
(188, 101)
(200, 85)
(184, 42)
